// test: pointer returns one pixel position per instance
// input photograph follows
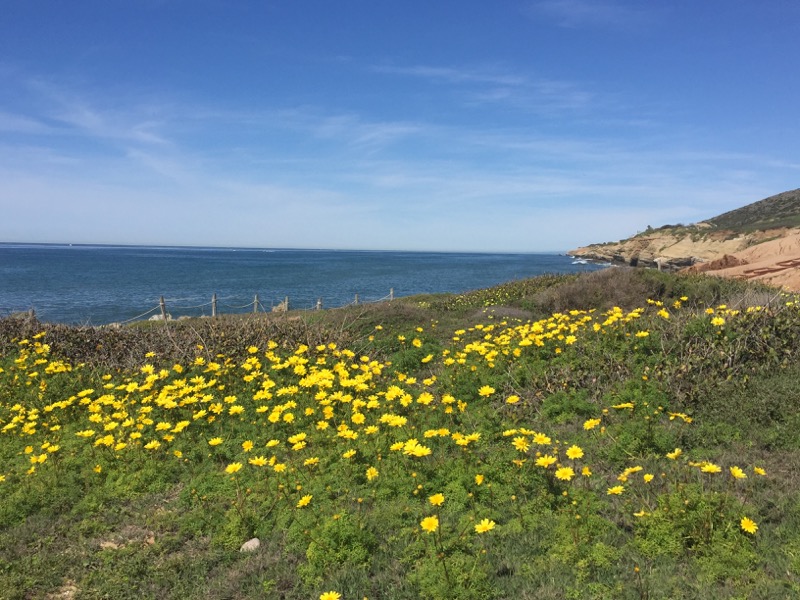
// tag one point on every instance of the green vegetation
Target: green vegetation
(619, 434)
(776, 212)
(781, 210)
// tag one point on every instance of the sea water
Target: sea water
(95, 285)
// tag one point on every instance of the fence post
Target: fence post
(356, 302)
(319, 303)
(163, 308)
(214, 305)
(286, 303)
(391, 294)
(255, 304)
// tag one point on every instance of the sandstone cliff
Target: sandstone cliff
(758, 241)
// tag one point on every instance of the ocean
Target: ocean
(96, 285)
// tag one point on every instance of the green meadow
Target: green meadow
(620, 434)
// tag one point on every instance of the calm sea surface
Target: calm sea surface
(103, 284)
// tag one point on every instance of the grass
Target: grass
(593, 436)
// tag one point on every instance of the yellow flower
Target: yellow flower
(486, 391)
(616, 490)
(738, 473)
(674, 454)
(718, 321)
(478, 479)
(748, 525)
(233, 468)
(541, 439)
(247, 445)
(545, 461)
(436, 499)
(297, 438)
(304, 501)
(591, 424)
(484, 526)
(710, 468)
(430, 524)
(215, 441)
(521, 444)
(427, 359)
(330, 596)
(512, 399)
(372, 473)
(574, 452)
(648, 477)
(759, 471)
(258, 461)
(565, 473)
(586, 472)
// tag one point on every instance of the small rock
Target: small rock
(109, 546)
(250, 545)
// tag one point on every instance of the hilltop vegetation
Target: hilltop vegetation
(781, 210)
(619, 434)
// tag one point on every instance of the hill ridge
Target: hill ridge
(722, 245)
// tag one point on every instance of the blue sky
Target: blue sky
(501, 125)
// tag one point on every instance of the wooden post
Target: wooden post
(391, 294)
(214, 305)
(319, 303)
(356, 302)
(32, 314)
(286, 303)
(255, 304)
(163, 308)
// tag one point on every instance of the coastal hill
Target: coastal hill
(758, 241)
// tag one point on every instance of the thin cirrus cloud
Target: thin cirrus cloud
(590, 14)
(484, 85)
(16, 123)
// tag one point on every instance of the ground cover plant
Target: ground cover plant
(542, 439)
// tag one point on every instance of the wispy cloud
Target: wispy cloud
(454, 75)
(591, 13)
(16, 123)
(499, 85)
(78, 113)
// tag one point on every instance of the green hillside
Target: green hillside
(781, 210)
(622, 434)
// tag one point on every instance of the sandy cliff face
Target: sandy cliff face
(673, 247)
(772, 256)
(775, 261)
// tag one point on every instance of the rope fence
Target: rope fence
(163, 314)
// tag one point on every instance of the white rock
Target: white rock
(250, 545)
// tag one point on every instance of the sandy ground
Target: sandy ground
(776, 262)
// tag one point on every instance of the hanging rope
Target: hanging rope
(136, 318)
